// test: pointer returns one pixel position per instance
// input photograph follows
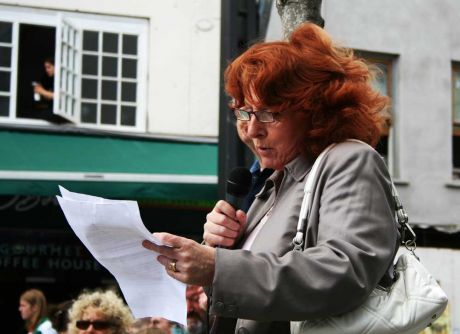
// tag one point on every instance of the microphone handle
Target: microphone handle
(233, 200)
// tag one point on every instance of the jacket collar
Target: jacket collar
(297, 169)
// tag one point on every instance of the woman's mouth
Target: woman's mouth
(263, 149)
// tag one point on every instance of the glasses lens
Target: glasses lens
(82, 324)
(265, 116)
(101, 324)
(242, 115)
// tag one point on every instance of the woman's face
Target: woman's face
(275, 143)
(94, 322)
(26, 310)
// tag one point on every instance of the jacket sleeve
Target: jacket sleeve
(350, 243)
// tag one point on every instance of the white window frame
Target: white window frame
(66, 103)
(455, 120)
(95, 22)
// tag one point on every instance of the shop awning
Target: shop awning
(35, 163)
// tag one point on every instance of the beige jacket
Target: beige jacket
(351, 240)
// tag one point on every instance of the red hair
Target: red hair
(309, 74)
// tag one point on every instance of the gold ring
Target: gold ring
(172, 266)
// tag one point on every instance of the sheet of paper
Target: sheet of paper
(113, 231)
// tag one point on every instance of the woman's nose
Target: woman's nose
(255, 129)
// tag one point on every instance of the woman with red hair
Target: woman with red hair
(295, 98)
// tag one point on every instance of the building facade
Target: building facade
(134, 116)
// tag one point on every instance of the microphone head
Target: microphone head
(239, 182)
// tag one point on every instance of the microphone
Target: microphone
(238, 185)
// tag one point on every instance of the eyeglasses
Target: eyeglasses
(262, 116)
(97, 324)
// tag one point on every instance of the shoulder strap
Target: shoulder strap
(306, 201)
(402, 218)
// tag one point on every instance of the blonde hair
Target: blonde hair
(108, 303)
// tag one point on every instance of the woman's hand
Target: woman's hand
(224, 225)
(184, 259)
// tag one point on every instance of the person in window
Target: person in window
(99, 312)
(297, 97)
(44, 89)
(33, 310)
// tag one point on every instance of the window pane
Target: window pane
(128, 91)
(88, 112)
(69, 58)
(4, 105)
(71, 83)
(74, 37)
(109, 90)
(75, 57)
(63, 79)
(457, 97)
(128, 115)
(129, 68)
(5, 32)
(109, 66)
(5, 56)
(110, 42)
(63, 33)
(69, 36)
(64, 55)
(75, 83)
(130, 44)
(89, 65)
(380, 81)
(90, 40)
(89, 89)
(456, 156)
(69, 106)
(108, 114)
(5, 81)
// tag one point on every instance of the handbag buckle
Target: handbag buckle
(298, 241)
(409, 241)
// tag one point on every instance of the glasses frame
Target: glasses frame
(260, 115)
(97, 324)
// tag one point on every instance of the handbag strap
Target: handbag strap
(408, 236)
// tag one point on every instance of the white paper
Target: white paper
(113, 231)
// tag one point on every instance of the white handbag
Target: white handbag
(409, 305)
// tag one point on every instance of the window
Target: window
(383, 82)
(6, 51)
(456, 120)
(100, 68)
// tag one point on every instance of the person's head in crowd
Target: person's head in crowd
(60, 316)
(161, 323)
(99, 312)
(33, 308)
(48, 63)
(139, 325)
(151, 330)
(195, 323)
